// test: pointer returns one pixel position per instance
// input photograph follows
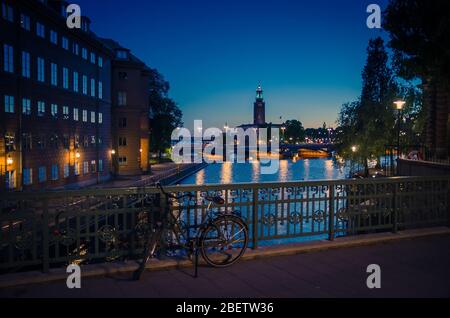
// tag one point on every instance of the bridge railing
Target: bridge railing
(54, 228)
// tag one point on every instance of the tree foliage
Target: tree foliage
(294, 131)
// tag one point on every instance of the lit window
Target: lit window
(54, 74)
(53, 37)
(65, 78)
(66, 170)
(84, 53)
(27, 176)
(9, 104)
(93, 117)
(25, 64)
(75, 82)
(100, 61)
(75, 48)
(41, 69)
(92, 58)
(7, 12)
(54, 110)
(10, 141)
(85, 116)
(77, 168)
(122, 161)
(121, 54)
(8, 58)
(25, 21)
(122, 98)
(65, 43)
(54, 172)
(85, 167)
(40, 30)
(100, 90)
(42, 177)
(75, 114)
(65, 112)
(100, 118)
(41, 109)
(100, 165)
(26, 106)
(93, 87)
(84, 84)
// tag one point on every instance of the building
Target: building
(130, 112)
(63, 94)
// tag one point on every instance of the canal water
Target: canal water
(305, 169)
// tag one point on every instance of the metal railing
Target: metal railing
(54, 228)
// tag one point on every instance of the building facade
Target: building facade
(130, 112)
(56, 96)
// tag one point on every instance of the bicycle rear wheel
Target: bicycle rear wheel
(224, 241)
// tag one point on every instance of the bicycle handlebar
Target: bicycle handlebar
(173, 196)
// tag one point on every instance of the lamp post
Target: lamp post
(399, 104)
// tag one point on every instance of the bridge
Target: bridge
(307, 150)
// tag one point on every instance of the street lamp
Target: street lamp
(9, 161)
(399, 104)
(354, 148)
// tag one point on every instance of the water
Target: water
(305, 169)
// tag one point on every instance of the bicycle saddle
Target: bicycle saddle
(216, 199)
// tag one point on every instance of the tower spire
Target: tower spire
(259, 92)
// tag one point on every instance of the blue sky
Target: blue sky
(307, 55)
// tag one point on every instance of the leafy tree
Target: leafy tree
(165, 115)
(294, 130)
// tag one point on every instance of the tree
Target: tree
(165, 115)
(419, 36)
(368, 123)
(294, 131)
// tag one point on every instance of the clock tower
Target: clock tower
(259, 108)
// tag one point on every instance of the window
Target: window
(66, 141)
(9, 104)
(26, 106)
(85, 167)
(100, 90)
(40, 141)
(53, 37)
(84, 53)
(75, 48)
(100, 118)
(65, 78)
(84, 84)
(54, 110)
(7, 12)
(41, 109)
(93, 117)
(77, 168)
(66, 112)
(10, 141)
(54, 74)
(27, 176)
(122, 122)
(65, 43)
(93, 166)
(42, 174)
(85, 141)
(93, 87)
(8, 58)
(100, 61)
(92, 58)
(122, 141)
(122, 98)
(84, 115)
(27, 141)
(25, 64)
(122, 54)
(40, 30)
(54, 172)
(75, 82)
(54, 144)
(66, 170)
(76, 141)
(75, 114)
(41, 69)
(122, 161)
(25, 21)
(100, 165)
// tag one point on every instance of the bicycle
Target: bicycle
(221, 239)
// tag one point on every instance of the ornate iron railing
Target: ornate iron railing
(54, 228)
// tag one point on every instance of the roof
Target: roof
(114, 45)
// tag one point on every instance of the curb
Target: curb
(35, 277)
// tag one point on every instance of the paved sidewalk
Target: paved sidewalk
(410, 268)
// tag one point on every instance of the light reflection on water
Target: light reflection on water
(307, 169)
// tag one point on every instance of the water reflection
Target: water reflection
(308, 169)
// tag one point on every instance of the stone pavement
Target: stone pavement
(409, 268)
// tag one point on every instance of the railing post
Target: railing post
(255, 218)
(395, 210)
(45, 238)
(331, 214)
(162, 217)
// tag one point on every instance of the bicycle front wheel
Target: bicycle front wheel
(224, 241)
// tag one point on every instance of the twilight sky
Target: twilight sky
(307, 55)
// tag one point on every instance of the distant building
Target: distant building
(130, 112)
